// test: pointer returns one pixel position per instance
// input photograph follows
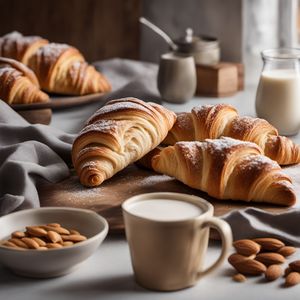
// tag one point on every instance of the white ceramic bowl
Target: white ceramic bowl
(51, 262)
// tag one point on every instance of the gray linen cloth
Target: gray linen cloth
(29, 152)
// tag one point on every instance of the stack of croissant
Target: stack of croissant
(59, 68)
(212, 149)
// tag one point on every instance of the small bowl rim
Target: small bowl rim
(80, 244)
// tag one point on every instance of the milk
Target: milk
(165, 210)
(278, 100)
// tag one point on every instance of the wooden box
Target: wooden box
(219, 80)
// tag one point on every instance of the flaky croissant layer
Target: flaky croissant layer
(18, 84)
(214, 121)
(226, 169)
(118, 134)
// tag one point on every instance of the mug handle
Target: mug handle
(226, 236)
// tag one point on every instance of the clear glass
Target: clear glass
(278, 92)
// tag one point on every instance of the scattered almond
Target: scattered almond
(292, 279)
(246, 247)
(269, 244)
(235, 258)
(249, 267)
(273, 272)
(295, 265)
(239, 277)
(270, 258)
(286, 251)
(287, 271)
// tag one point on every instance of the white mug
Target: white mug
(168, 251)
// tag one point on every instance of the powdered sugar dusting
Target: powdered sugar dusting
(101, 125)
(53, 50)
(254, 161)
(226, 143)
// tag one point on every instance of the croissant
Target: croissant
(118, 134)
(214, 121)
(15, 45)
(18, 84)
(62, 69)
(226, 169)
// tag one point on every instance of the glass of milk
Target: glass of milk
(278, 92)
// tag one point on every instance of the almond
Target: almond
(54, 225)
(269, 244)
(273, 272)
(287, 271)
(246, 247)
(39, 241)
(270, 258)
(73, 231)
(53, 245)
(295, 265)
(67, 243)
(235, 257)
(18, 242)
(249, 267)
(73, 238)
(9, 244)
(54, 236)
(32, 244)
(287, 251)
(18, 234)
(57, 229)
(239, 277)
(292, 279)
(36, 231)
(42, 248)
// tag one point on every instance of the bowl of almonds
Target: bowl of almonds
(50, 241)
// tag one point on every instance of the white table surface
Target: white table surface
(108, 273)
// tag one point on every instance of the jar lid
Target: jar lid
(191, 43)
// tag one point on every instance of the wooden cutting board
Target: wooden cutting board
(107, 199)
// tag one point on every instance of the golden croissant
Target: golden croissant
(118, 134)
(16, 46)
(226, 169)
(18, 84)
(214, 121)
(62, 69)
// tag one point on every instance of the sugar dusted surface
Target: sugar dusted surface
(53, 49)
(121, 106)
(218, 144)
(101, 126)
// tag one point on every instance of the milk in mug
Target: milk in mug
(278, 99)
